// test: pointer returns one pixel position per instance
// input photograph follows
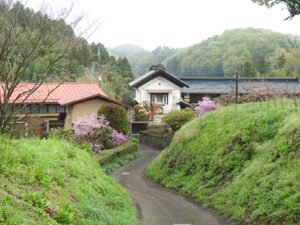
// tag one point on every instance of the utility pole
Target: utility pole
(99, 78)
(236, 88)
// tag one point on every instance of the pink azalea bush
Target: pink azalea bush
(206, 105)
(118, 138)
(85, 125)
(97, 131)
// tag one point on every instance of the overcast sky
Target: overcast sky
(173, 23)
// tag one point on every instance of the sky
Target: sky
(173, 23)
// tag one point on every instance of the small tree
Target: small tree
(117, 117)
(204, 106)
(97, 131)
(140, 113)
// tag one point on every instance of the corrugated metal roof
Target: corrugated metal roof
(217, 85)
(85, 95)
(51, 92)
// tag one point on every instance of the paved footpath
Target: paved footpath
(156, 205)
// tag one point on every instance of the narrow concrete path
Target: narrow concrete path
(156, 205)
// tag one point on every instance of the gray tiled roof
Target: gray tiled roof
(157, 73)
(219, 85)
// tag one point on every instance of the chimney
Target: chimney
(157, 67)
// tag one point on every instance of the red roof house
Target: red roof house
(59, 104)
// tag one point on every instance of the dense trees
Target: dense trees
(292, 5)
(249, 52)
(79, 57)
(36, 47)
(32, 47)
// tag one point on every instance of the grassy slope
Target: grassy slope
(53, 182)
(112, 159)
(243, 161)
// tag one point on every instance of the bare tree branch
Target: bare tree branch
(44, 41)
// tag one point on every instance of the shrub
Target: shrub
(204, 106)
(113, 158)
(97, 131)
(29, 126)
(140, 113)
(146, 111)
(61, 134)
(117, 117)
(159, 129)
(178, 118)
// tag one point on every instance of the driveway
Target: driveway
(156, 205)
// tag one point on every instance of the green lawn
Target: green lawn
(53, 182)
(243, 161)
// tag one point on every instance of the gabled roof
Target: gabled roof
(224, 85)
(56, 93)
(152, 74)
(86, 95)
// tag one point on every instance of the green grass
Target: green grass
(243, 161)
(54, 182)
(112, 159)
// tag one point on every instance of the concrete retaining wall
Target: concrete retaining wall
(155, 141)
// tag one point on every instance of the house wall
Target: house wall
(84, 108)
(159, 85)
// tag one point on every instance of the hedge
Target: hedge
(112, 158)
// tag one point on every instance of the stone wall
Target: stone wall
(155, 141)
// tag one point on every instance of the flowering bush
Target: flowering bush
(204, 106)
(146, 111)
(97, 131)
(117, 138)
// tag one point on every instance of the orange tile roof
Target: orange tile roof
(53, 92)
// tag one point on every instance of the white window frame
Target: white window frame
(155, 100)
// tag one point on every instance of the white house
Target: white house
(159, 87)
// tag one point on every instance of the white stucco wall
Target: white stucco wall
(159, 85)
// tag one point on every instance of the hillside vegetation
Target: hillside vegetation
(243, 161)
(82, 61)
(53, 182)
(250, 52)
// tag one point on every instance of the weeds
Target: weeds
(55, 182)
(243, 161)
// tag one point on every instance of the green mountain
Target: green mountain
(128, 50)
(249, 52)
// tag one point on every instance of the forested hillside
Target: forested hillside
(250, 52)
(128, 50)
(82, 61)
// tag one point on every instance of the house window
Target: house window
(60, 109)
(52, 108)
(39, 109)
(159, 98)
(43, 109)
